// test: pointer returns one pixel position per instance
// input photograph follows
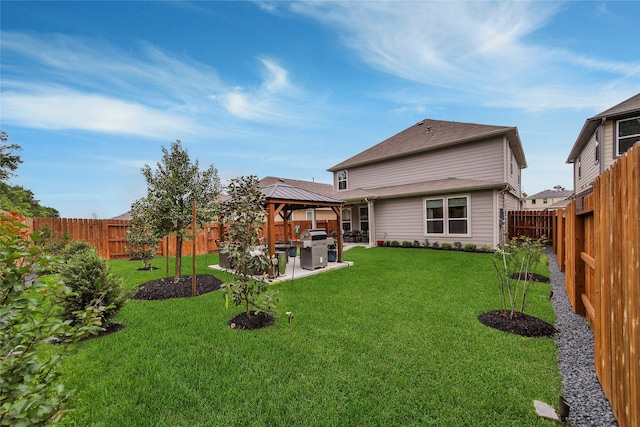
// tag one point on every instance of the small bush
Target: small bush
(485, 248)
(406, 244)
(73, 248)
(416, 244)
(470, 247)
(91, 280)
(435, 245)
(446, 246)
(394, 244)
(51, 242)
(457, 246)
(426, 243)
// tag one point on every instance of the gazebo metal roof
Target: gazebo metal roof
(282, 199)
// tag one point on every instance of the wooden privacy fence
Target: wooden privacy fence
(109, 236)
(532, 224)
(602, 268)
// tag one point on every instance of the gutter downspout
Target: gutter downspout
(503, 218)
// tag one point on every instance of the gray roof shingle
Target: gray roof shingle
(429, 135)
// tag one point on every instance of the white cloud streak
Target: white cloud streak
(86, 84)
(481, 49)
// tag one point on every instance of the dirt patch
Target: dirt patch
(255, 321)
(531, 276)
(165, 288)
(520, 324)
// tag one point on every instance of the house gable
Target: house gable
(595, 149)
(428, 135)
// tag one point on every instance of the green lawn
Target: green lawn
(391, 341)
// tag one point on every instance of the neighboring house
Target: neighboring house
(315, 187)
(548, 199)
(601, 141)
(437, 180)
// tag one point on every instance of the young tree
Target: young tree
(171, 190)
(8, 162)
(142, 241)
(244, 216)
(30, 388)
(515, 263)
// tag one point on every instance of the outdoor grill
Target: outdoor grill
(313, 253)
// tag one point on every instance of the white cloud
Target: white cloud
(86, 84)
(486, 50)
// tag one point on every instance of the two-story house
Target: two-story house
(603, 139)
(437, 180)
(548, 199)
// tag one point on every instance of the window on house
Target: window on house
(596, 147)
(627, 134)
(364, 218)
(309, 215)
(533, 201)
(447, 216)
(342, 180)
(544, 201)
(579, 166)
(346, 220)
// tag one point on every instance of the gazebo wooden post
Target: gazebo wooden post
(285, 223)
(271, 230)
(338, 211)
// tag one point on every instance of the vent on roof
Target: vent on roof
(420, 123)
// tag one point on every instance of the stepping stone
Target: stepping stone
(545, 411)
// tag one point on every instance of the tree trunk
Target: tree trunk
(178, 270)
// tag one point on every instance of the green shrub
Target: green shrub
(457, 246)
(394, 244)
(73, 248)
(30, 388)
(90, 278)
(406, 244)
(52, 243)
(426, 243)
(470, 247)
(446, 246)
(435, 245)
(485, 248)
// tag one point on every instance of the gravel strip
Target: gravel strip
(581, 388)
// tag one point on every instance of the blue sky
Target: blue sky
(92, 90)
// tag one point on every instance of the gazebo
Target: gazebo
(283, 199)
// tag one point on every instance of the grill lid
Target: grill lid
(314, 234)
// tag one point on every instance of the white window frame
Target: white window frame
(617, 152)
(445, 218)
(343, 178)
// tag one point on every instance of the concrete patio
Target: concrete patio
(294, 271)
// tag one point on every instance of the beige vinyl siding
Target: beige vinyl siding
(609, 155)
(513, 178)
(481, 160)
(403, 219)
(589, 169)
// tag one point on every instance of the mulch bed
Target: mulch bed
(255, 321)
(520, 324)
(165, 288)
